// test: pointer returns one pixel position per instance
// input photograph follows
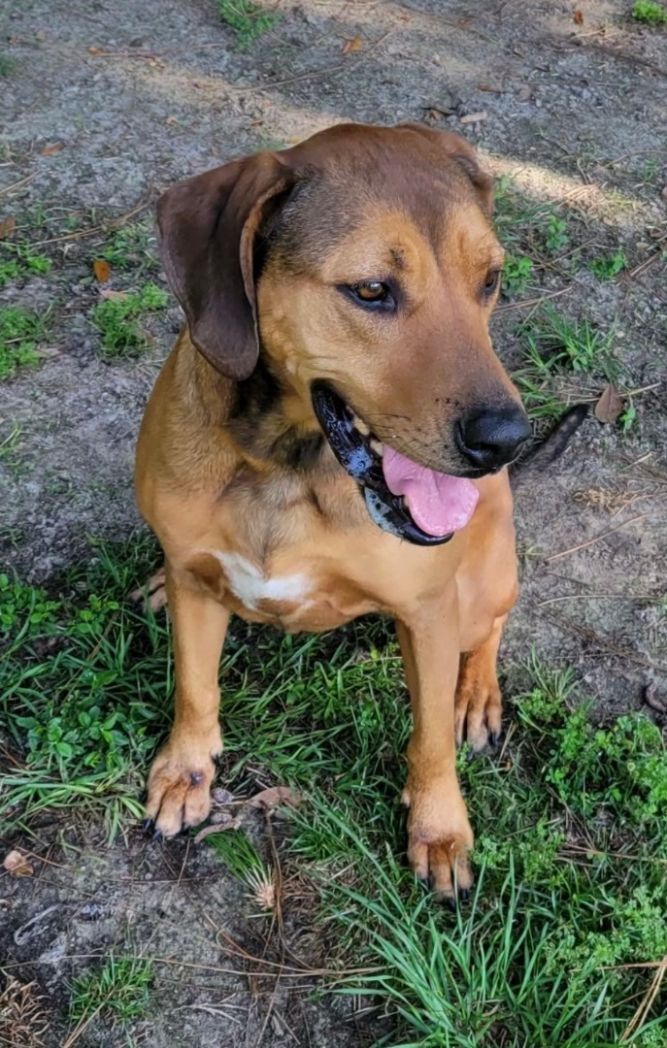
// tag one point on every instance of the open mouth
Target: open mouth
(410, 501)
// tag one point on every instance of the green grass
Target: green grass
(247, 19)
(20, 334)
(555, 349)
(649, 13)
(131, 247)
(118, 992)
(571, 838)
(7, 65)
(608, 266)
(19, 261)
(117, 320)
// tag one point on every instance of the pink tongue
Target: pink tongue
(438, 503)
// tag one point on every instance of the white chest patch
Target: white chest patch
(250, 586)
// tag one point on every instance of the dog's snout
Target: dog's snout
(491, 438)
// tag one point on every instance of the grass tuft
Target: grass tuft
(247, 19)
(118, 992)
(117, 320)
(20, 334)
(649, 13)
(19, 261)
(609, 266)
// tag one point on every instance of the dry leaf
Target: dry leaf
(275, 795)
(654, 700)
(96, 51)
(578, 17)
(525, 93)
(108, 293)
(102, 270)
(494, 89)
(355, 44)
(16, 863)
(609, 406)
(7, 227)
(55, 147)
(474, 118)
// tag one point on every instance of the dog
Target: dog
(329, 438)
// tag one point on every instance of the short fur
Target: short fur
(254, 514)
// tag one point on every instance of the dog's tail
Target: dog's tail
(548, 450)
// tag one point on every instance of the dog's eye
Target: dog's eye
(372, 294)
(491, 282)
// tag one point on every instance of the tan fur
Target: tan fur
(211, 490)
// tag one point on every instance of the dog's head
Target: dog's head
(363, 265)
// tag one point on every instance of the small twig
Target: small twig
(16, 185)
(596, 538)
(112, 223)
(533, 301)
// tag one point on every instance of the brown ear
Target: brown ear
(459, 149)
(207, 230)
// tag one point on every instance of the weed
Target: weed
(119, 991)
(517, 272)
(649, 13)
(247, 19)
(628, 417)
(608, 266)
(7, 65)
(20, 333)
(19, 261)
(117, 320)
(556, 236)
(81, 691)
(131, 247)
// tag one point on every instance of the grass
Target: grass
(555, 348)
(118, 992)
(19, 261)
(117, 320)
(247, 19)
(649, 13)
(609, 266)
(20, 334)
(571, 838)
(7, 65)
(131, 247)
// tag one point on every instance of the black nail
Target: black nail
(147, 825)
(495, 737)
(450, 902)
(157, 836)
(464, 895)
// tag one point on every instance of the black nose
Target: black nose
(490, 439)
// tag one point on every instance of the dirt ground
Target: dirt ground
(133, 97)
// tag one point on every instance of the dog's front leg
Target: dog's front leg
(439, 833)
(180, 779)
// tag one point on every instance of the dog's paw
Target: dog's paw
(179, 784)
(478, 710)
(153, 594)
(440, 839)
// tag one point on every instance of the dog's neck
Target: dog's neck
(260, 424)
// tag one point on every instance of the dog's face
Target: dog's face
(367, 261)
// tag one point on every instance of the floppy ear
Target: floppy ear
(459, 149)
(207, 229)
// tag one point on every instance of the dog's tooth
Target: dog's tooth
(377, 445)
(361, 426)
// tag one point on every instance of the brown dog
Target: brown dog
(327, 439)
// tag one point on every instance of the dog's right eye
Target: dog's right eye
(371, 294)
